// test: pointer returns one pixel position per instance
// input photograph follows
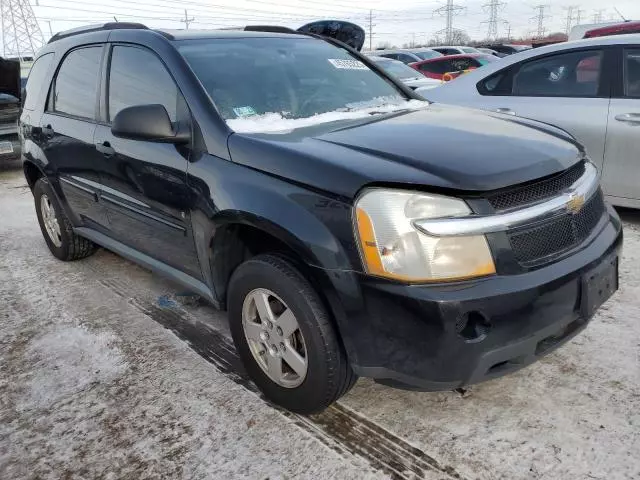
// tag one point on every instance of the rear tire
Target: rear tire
(302, 389)
(56, 227)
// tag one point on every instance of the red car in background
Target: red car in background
(446, 68)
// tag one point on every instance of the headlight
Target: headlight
(392, 247)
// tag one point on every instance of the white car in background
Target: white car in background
(455, 50)
(407, 75)
(590, 88)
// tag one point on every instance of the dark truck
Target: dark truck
(10, 92)
(349, 227)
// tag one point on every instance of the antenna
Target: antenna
(21, 34)
(448, 10)
(492, 7)
(621, 16)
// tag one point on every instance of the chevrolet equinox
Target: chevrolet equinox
(349, 227)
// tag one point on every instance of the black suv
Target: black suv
(348, 226)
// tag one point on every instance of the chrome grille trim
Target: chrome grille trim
(583, 189)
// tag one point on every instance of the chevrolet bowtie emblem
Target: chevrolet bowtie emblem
(575, 203)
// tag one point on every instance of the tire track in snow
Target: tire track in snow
(339, 428)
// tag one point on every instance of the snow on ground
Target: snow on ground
(96, 381)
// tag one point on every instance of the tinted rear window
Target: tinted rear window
(76, 85)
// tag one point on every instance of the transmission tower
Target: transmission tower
(21, 34)
(540, 18)
(579, 13)
(570, 14)
(493, 6)
(449, 10)
(598, 16)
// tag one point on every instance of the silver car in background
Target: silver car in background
(408, 55)
(590, 88)
(407, 75)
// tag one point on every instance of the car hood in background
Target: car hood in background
(440, 147)
(424, 83)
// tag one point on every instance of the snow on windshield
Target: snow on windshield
(276, 122)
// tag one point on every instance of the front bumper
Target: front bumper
(411, 336)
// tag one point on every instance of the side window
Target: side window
(76, 85)
(406, 58)
(138, 77)
(458, 64)
(36, 78)
(632, 73)
(435, 67)
(573, 74)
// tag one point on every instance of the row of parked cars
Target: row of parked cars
(442, 63)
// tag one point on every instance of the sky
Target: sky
(396, 22)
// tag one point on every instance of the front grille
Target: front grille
(9, 114)
(537, 244)
(536, 191)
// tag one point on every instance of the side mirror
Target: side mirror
(147, 122)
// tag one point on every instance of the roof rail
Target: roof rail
(269, 28)
(97, 28)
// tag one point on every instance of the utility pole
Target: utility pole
(540, 18)
(371, 29)
(449, 11)
(579, 16)
(50, 30)
(21, 33)
(598, 16)
(186, 20)
(508, 30)
(493, 6)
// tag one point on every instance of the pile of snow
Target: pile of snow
(276, 123)
(68, 360)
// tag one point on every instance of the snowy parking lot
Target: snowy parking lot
(108, 371)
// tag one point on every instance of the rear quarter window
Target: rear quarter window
(37, 77)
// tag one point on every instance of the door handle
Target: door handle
(105, 148)
(47, 131)
(633, 118)
(505, 110)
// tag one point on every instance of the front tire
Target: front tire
(285, 337)
(56, 227)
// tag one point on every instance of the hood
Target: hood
(441, 147)
(10, 78)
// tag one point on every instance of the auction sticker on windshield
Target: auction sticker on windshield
(347, 64)
(242, 112)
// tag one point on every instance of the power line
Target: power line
(493, 6)
(540, 18)
(449, 11)
(21, 34)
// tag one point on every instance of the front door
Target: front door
(622, 157)
(144, 184)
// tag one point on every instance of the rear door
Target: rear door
(568, 89)
(145, 183)
(65, 134)
(622, 153)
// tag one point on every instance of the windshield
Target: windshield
(469, 50)
(286, 77)
(427, 54)
(398, 69)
